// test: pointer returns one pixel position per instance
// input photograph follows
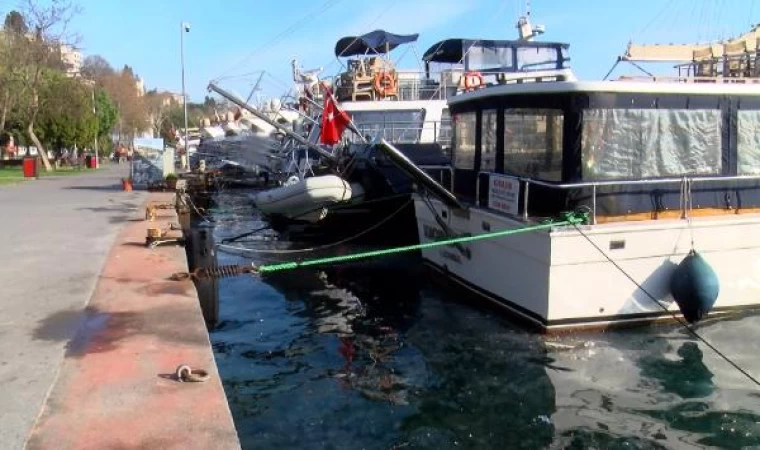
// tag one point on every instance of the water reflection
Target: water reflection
(374, 356)
(687, 377)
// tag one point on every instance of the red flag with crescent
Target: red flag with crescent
(334, 120)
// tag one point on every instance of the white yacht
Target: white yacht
(663, 166)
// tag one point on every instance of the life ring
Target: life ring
(473, 80)
(384, 84)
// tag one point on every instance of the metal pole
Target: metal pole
(182, 28)
(298, 138)
(97, 129)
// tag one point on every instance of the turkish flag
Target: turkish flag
(334, 121)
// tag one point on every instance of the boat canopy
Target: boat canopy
(499, 56)
(378, 41)
(746, 43)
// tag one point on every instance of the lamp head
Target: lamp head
(186, 27)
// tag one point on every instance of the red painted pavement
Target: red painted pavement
(116, 388)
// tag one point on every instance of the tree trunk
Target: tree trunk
(3, 117)
(6, 108)
(40, 149)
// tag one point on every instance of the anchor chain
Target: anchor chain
(214, 272)
(567, 219)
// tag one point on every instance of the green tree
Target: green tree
(106, 112)
(66, 118)
(15, 23)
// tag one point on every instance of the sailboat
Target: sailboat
(358, 189)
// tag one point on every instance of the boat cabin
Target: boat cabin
(463, 65)
(624, 150)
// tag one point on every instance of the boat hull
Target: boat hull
(558, 280)
(388, 222)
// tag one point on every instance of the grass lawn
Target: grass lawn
(12, 175)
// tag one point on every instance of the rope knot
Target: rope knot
(185, 374)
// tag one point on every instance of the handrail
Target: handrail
(596, 184)
(441, 84)
(405, 128)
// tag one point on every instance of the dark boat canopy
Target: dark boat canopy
(378, 41)
(480, 54)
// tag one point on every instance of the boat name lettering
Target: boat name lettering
(451, 256)
(433, 233)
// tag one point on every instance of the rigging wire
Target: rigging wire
(280, 36)
(658, 16)
(332, 61)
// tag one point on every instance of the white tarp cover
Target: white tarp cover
(748, 144)
(650, 143)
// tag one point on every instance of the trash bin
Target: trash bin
(88, 162)
(93, 164)
(30, 167)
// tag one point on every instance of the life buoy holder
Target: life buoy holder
(473, 80)
(384, 84)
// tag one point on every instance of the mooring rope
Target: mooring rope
(240, 251)
(570, 219)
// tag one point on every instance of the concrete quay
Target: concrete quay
(92, 328)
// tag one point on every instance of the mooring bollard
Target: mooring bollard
(202, 254)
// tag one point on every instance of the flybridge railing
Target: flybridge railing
(416, 85)
(685, 194)
(406, 132)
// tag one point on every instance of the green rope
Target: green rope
(569, 219)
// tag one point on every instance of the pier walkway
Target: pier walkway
(91, 330)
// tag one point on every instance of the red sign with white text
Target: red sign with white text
(503, 194)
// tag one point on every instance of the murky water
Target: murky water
(382, 357)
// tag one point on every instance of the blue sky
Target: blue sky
(236, 37)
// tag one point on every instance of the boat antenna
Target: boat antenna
(527, 31)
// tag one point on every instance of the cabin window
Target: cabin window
(748, 143)
(464, 140)
(401, 126)
(533, 143)
(486, 58)
(488, 140)
(650, 143)
(537, 58)
(444, 131)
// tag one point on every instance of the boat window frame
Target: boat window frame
(455, 146)
(560, 114)
(495, 146)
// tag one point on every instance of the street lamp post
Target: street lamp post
(185, 28)
(97, 129)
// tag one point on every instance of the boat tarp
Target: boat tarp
(453, 51)
(378, 41)
(746, 43)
